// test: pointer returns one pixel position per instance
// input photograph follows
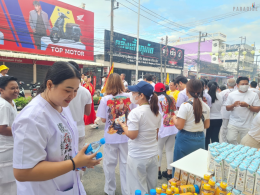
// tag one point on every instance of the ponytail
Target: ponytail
(169, 99)
(153, 103)
(212, 91)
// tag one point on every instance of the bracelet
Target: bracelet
(74, 167)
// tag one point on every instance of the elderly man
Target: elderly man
(225, 114)
(242, 103)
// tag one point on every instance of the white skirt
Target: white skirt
(6, 167)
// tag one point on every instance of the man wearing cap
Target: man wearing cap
(3, 70)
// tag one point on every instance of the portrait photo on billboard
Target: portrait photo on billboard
(47, 27)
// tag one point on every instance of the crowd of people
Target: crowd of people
(42, 148)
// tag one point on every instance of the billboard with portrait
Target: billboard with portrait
(46, 27)
(124, 51)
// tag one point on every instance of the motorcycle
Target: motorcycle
(73, 31)
(34, 88)
(21, 89)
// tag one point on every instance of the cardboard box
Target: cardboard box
(184, 177)
(232, 174)
(177, 174)
(241, 177)
(191, 179)
(219, 169)
(250, 180)
(257, 183)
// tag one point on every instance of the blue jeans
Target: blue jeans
(187, 142)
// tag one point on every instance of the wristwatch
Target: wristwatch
(248, 106)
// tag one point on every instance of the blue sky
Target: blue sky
(183, 12)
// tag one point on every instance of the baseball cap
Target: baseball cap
(142, 87)
(159, 87)
(3, 67)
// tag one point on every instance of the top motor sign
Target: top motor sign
(47, 27)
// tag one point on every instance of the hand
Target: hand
(83, 160)
(243, 104)
(236, 104)
(120, 123)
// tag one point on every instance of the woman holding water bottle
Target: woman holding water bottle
(142, 128)
(46, 138)
(115, 105)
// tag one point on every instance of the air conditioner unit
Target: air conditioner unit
(215, 46)
(214, 59)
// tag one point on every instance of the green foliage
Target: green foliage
(22, 102)
(96, 100)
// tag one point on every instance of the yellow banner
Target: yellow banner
(167, 79)
(111, 71)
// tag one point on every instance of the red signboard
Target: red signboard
(47, 27)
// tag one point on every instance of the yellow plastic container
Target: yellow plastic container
(158, 191)
(164, 188)
(168, 192)
(221, 190)
(206, 190)
(189, 188)
(172, 184)
(212, 186)
(204, 180)
(175, 190)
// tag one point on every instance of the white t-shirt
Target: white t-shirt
(167, 126)
(2, 75)
(242, 116)
(255, 90)
(153, 84)
(77, 108)
(215, 110)
(145, 145)
(125, 84)
(7, 116)
(41, 133)
(186, 113)
(255, 128)
(224, 94)
(111, 108)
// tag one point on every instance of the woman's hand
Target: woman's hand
(121, 124)
(83, 160)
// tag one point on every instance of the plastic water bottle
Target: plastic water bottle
(99, 155)
(95, 146)
(138, 192)
(152, 192)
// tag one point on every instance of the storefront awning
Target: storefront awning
(46, 58)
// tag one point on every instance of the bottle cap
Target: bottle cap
(168, 191)
(164, 186)
(89, 149)
(197, 189)
(206, 177)
(99, 155)
(138, 192)
(173, 184)
(102, 141)
(152, 192)
(158, 190)
(206, 186)
(211, 182)
(223, 185)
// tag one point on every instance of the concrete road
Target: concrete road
(94, 179)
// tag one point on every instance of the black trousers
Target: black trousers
(213, 132)
(37, 39)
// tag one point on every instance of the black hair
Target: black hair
(166, 87)
(242, 79)
(253, 84)
(202, 89)
(75, 65)
(153, 102)
(213, 90)
(222, 87)
(59, 72)
(205, 81)
(173, 80)
(148, 77)
(5, 80)
(169, 99)
(36, 3)
(182, 79)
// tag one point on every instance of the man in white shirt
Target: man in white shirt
(79, 106)
(253, 88)
(181, 82)
(9, 91)
(3, 70)
(149, 79)
(225, 114)
(124, 81)
(242, 103)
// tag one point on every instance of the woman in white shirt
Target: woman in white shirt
(167, 131)
(142, 128)
(9, 91)
(115, 104)
(46, 138)
(215, 114)
(193, 117)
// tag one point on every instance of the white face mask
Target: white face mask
(132, 99)
(243, 88)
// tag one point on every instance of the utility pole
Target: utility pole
(161, 59)
(198, 60)
(238, 58)
(137, 47)
(112, 30)
(166, 55)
